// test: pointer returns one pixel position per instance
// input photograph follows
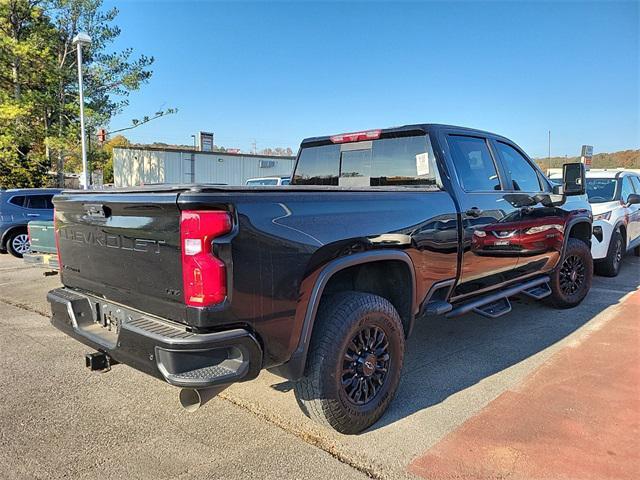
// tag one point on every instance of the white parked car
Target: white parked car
(614, 196)
(272, 181)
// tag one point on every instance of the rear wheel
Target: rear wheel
(610, 265)
(18, 243)
(571, 280)
(354, 362)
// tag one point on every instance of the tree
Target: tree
(109, 76)
(278, 151)
(103, 158)
(26, 36)
(622, 159)
(38, 83)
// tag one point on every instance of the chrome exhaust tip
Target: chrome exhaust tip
(191, 399)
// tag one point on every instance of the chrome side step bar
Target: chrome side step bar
(495, 301)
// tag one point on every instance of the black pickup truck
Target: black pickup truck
(320, 281)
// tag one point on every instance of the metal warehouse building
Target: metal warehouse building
(134, 166)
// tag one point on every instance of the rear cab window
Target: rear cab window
(400, 161)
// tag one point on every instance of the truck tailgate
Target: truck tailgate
(124, 248)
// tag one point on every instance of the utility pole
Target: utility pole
(254, 147)
(549, 157)
(194, 142)
(79, 40)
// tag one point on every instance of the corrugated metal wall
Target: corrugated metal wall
(133, 166)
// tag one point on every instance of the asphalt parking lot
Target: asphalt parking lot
(468, 383)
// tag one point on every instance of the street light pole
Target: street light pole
(549, 153)
(79, 40)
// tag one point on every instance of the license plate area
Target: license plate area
(104, 323)
(109, 317)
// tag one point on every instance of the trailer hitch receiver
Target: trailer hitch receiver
(99, 361)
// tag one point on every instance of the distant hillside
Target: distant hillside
(625, 159)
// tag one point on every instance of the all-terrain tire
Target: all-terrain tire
(571, 280)
(610, 265)
(328, 393)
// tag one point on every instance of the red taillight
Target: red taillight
(356, 136)
(56, 236)
(204, 276)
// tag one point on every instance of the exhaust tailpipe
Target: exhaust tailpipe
(191, 399)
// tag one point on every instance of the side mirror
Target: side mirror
(573, 179)
(633, 199)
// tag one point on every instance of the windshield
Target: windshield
(601, 190)
(263, 181)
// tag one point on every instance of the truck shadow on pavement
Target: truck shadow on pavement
(446, 356)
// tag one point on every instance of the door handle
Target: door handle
(33, 214)
(473, 212)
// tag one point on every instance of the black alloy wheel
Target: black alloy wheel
(354, 362)
(365, 365)
(610, 265)
(571, 280)
(572, 274)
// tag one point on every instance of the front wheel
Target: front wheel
(610, 265)
(18, 243)
(354, 362)
(571, 280)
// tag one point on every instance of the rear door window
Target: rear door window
(474, 163)
(404, 161)
(522, 175)
(39, 202)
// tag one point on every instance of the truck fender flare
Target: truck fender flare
(570, 226)
(294, 367)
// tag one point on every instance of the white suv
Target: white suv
(614, 196)
(615, 201)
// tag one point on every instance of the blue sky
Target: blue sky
(277, 72)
